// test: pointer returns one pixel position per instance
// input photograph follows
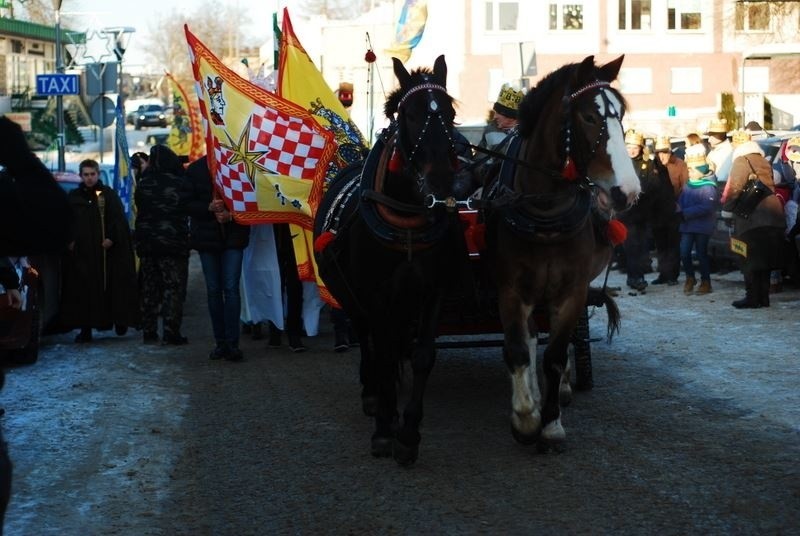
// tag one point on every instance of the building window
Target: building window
(636, 80)
(683, 15)
(565, 16)
(501, 16)
(752, 16)
(17, 47)
(634, 14)
(687, 80)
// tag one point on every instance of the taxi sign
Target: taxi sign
(57, 84)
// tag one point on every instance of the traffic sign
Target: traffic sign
(57, 84)
(102, 112)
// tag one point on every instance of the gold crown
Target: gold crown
(634, 138)
(696, 156)
(346, 86)
(718, 126)
(508, 101)
(740, 136)
(663, 144)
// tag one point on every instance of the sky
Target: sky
(98, 14)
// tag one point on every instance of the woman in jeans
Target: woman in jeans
(220, 242)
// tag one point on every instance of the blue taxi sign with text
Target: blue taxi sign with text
(57, 84)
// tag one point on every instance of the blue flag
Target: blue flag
(123, 176)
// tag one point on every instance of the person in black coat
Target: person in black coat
(161, 236)
(220, 241)
(34, 213)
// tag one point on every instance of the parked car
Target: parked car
(150, 115)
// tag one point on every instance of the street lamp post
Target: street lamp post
(122, 36)
(59, 98)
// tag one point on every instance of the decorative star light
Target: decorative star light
(242, 154)
(94, 45)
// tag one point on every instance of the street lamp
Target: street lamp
(122, 37)
(59, 98)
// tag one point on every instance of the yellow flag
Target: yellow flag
(185, 137)
(300, 81)
(268, 156)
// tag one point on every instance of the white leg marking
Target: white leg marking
(554, 431)
(526, 398)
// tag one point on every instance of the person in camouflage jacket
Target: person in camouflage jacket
(161, 238)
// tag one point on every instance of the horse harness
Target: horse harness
(531, 215)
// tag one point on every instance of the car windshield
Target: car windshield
(151, 108)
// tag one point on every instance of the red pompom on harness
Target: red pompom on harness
(616, 232)
(323, 240)
(569, 172)
(395, 161)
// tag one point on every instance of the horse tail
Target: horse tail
(600, 297)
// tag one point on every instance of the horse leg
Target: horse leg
(385, 367)
(519, 353)
(554, 365)
(367, 373)
(407, 439)
(565, 387)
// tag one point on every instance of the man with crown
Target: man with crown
(502, 118)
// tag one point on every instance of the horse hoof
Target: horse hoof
(524, 439)
(369, 404)
(404, 455)
(381, 447)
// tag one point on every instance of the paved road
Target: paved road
(676, 437)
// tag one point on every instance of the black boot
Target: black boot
(274, 336)
(762, 284)
(84, 336)
(750, 300)
(340, 329)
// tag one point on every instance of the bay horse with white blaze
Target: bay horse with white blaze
(388, 243)
(547, 216)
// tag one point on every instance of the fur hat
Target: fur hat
(718, 126)
(741, 136)
(663, 144)
(508, 101)
(634, 138)
(793, 149)
(696, 158)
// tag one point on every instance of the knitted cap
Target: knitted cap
(508, 101)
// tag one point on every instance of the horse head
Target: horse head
(422, 114)
(591, 143)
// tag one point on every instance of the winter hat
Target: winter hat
(634, 138)
(508, 101)
(696, 158)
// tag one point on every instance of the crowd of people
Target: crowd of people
(677, 212)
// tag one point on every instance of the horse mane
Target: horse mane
(418, 76)
(535, 101)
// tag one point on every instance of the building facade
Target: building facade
(681, 56)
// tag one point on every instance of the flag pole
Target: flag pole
(369, 57)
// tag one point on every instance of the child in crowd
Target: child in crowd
(696, 204)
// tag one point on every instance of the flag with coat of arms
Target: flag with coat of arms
(185, 137)
(268, 156)
(300, 82)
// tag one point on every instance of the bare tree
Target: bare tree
(336, 9)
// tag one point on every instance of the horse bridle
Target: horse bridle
(434, 109)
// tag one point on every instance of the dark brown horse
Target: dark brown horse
(388, 245)
(547, 228)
